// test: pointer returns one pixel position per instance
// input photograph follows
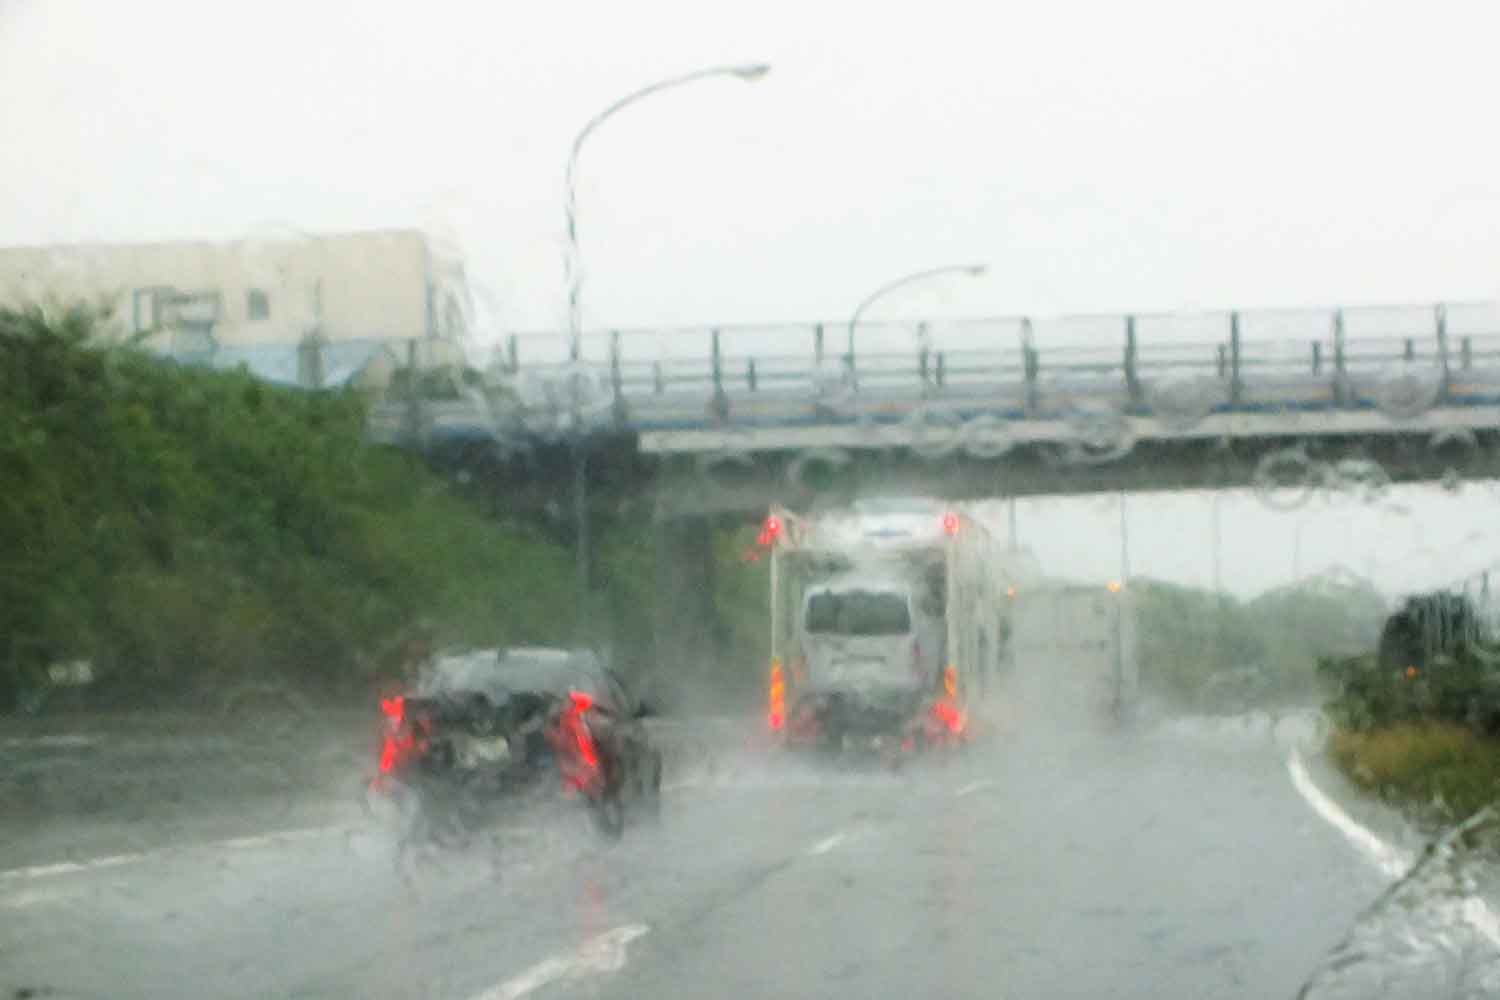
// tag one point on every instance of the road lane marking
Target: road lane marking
(826, 844)
(31, 897)
(279, 837)
(55, 741)
(596, 956)
(972, 787)
(136, 857)
(69, 867)
(1391, 860)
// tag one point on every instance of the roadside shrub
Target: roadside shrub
(1444, 769)
(184, 528)
(1463, 688)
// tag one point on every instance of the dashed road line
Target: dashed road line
(826, 844)
(54, 741)
(972, 787)
(70, 867)
(596, 956)
(32, 897)
(136, 857)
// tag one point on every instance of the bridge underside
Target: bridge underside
(1285, 471)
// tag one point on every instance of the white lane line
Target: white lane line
(596, 956)
(31, 897)
(972, 787)
(52, 742)
(826, 844)
(677, 786)
(1391, 860)
(279, 837)
(136, 857)
(69, 867)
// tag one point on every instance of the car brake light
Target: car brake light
(769, 532)
(949, 716)
(585, 741)
(950, 523)
(398, 740)
(389, 751)
(572, 723)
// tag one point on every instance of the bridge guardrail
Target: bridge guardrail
(1401, 360)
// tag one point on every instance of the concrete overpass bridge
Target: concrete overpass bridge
(727, 419)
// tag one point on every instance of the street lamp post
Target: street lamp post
(574, 274)
(749, 72)
(973, 270)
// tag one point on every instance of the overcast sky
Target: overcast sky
(1098, 156)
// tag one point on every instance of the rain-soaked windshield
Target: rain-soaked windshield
(858, 612)
(999, 499)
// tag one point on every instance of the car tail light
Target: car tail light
(776, 710)
(769, 532)
(949, 715)
(950, 523)
(578, 754)
(585, 741)
(399, 739)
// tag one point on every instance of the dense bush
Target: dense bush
(1461, 687)
(1416, 720)
(181, 527)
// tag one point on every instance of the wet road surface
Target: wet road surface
(1160, 864)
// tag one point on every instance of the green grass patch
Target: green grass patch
(1441, 772)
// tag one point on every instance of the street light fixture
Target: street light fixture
(972, 270)
(750, 73)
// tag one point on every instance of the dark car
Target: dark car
(479, 729)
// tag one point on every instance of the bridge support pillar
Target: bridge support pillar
(686, 617)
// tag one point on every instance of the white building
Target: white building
(309, 310)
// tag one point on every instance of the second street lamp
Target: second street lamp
(973, 270)
(574, 272)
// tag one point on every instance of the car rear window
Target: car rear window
(499, 675)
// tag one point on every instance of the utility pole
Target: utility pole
(1218, 560)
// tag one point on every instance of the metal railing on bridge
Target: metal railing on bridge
(1178, 367)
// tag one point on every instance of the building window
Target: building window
(257, 305)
